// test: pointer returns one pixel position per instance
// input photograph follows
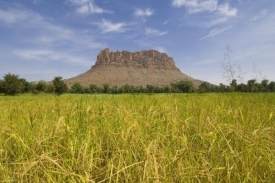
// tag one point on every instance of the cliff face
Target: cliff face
(149, 59)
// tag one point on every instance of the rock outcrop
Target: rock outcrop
(149, 59)
(148, 67)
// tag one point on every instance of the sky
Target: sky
(41, 39)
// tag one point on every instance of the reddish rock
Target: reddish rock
(150, 59)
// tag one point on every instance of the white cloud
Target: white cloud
(107, 26)
(227, 11)
(12, 16)
(48, 55)
(46, 36)
(165, 22)
(216, 32)
(216, 21)
(36, 1)
(88, 7)
(154, 32)
(206, 62)
(195, 6)
(161, 49)
(143, 13)
(260, 15)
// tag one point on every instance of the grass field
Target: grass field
(138, 138)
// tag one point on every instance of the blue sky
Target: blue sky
(40, 39)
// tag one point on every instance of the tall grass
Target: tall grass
(138, 138)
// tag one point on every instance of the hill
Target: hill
(148, 67)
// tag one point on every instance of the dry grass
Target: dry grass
(138, 138)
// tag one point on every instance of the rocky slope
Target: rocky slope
(138, 69)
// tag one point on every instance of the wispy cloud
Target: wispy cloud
(226, 10)
(46, 36)
(12, 16)
(48, 55)
(154, 32)
(87, 7)
(195, 6)
(143, 13)
(36, 1)
(165, 22)
(211, 6)
(260, 15)
(216, 21)
(206, 62)
(160, 49)
(216, 32)
(108, 27)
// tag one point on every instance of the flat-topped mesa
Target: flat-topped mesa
(149, 59)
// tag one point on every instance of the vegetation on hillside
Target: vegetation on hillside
(12, 85)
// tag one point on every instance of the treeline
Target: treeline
(12, 85)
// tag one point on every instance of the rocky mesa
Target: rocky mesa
(149, 59)
(148, 67)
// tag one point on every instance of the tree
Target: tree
(115, 90)
(184, 86)
(76, 88)
(12, 85)
(25, 85)
(233, 85)
(271, 86)
(251, 85)
(50, 88)
(241, 87)
(93, 88)
(106, 88)
(150, 88)
(41, 86)
(205, 87)
(86, 89)
(59, 85)
(265, 85)
(222, 88)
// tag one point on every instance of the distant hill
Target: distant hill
(148, 67)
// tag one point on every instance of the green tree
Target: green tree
(251, 85)
(271, 86)
(86, 89)
(241, 87)
(222, 88)
(106, 88)
(233, 85)
(12, 85)
(150, 88)
(205, 87)
(59, 85)
(41, 86)
(1, 86)
(184, 86)
(93, 88)
(25, 85)
(265, 83)
(115, 90)
(76, 88)
(50, 88)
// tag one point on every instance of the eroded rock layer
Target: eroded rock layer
(148, 67)
(149, 59)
